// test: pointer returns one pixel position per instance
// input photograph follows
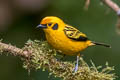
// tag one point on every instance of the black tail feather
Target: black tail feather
(102, 44)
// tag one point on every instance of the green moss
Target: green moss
(43, 56)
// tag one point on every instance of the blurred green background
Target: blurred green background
(19, 18)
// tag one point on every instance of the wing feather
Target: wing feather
(74, 34)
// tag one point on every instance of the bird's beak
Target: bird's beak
(41, 26)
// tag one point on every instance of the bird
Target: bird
(66, 38)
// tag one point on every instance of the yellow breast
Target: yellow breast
(61, 42)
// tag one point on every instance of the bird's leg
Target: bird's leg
(77, 63)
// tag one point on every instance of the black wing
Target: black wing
(74, 34)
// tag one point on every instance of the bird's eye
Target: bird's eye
(49, 24)
(55, 26)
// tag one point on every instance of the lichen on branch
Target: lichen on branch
(43, 56)
(38, 54)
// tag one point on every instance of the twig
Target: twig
(112, 5)
(87, 3)
(116, 9)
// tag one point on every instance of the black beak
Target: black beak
(41, 26)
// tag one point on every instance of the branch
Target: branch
(41, 55)
(116, 9)
(112, 5)
(87, 3)
(14, 50)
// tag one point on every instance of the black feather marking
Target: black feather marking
(74, 34)
(81, 38)
(55, 26)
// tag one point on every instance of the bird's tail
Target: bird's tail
(101, 44)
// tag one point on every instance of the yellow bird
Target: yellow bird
(65, 38)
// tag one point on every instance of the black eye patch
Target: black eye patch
(55, 26)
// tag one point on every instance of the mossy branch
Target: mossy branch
(38, 54)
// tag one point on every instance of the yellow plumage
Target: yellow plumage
(59, 39)
(65, 38)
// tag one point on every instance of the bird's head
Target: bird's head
(51, 23)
